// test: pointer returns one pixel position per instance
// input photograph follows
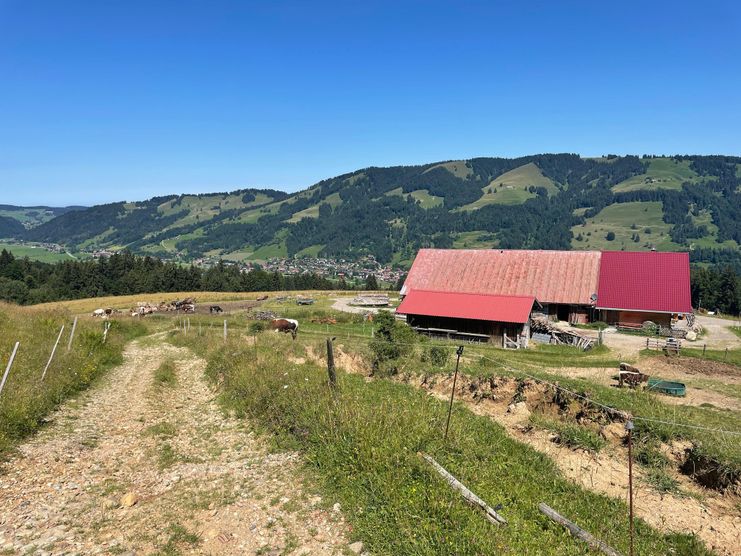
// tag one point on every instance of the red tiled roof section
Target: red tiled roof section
(500, 308)
(646, 281)
(549, 276)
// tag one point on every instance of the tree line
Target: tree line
(27, 282)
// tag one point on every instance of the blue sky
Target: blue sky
(103, 101)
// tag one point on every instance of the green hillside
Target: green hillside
(636, 226)
(31, 217)
(662, 173)
(513, 187)
(549, 201)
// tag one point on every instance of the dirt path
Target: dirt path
(135, 467)
(719, 333)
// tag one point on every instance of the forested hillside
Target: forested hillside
(553, 201)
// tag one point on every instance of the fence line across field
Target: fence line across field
(612, 410)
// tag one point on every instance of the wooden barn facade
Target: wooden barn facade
(469, 317)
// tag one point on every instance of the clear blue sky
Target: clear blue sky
(112, 100)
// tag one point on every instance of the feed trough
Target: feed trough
(667, 387)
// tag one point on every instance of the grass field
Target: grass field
(458, 168)
(624, 220)
(511, 187)
(662, 173)
(35, 253)
(26, 399)
(333, 200)
(426, 200)
(474, 240)
(362, 442)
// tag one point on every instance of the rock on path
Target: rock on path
(132, 467)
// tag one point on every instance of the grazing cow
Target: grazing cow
(99, 313)
(215, 309)
(285, 325)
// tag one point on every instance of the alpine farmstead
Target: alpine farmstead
(493, 294)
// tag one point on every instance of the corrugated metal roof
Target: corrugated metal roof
(645, 281)
(549, 276)
(500, 308)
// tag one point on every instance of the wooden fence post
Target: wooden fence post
(577, 531)
(330, 364)
(490, 513)
(704, 347)
(225, 330)
(72, 334)
(53, 350)
(458, 353)
(7, 369)
(106, 328)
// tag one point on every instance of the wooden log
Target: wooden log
(469, 496)
(578, 532)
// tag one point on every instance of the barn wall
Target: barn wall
(635, 317)
(495, 330)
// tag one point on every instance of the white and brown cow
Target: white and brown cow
(285, 325)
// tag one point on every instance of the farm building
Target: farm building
(635, 287)
(469, 316)
(476, 291)
(563, 282)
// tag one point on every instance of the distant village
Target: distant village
(336, 269)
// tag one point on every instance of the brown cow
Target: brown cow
(285, 325)
(631, 375)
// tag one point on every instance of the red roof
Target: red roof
(646, 281)
(500, 308)
(549, 276)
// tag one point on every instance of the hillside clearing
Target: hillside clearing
(512, 187)
(625, 220)
(662, 173)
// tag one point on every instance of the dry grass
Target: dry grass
(88, 305)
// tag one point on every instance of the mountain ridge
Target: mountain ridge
(556, 201)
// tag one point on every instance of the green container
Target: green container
(667, 387)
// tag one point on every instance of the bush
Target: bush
(437, 355)
(393, 340)
(257, 326)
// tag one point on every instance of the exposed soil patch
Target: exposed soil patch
(694, 366)
(133, 467)
(695, 396)
(713, 517)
